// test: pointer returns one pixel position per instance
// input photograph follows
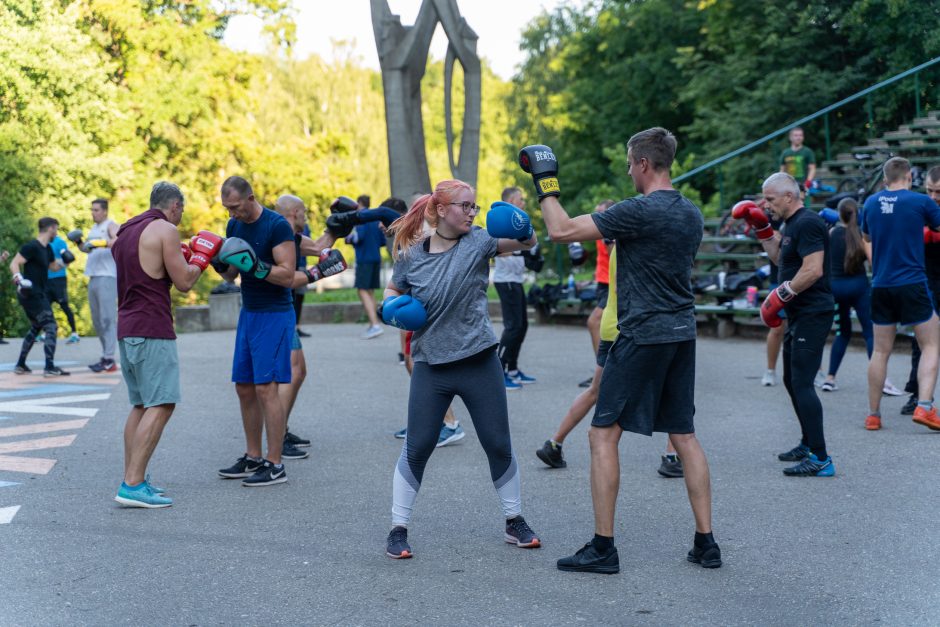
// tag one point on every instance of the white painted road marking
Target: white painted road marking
(7, 514)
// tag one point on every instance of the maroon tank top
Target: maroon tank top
(143, 302)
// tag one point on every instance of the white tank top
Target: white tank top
(100, 262)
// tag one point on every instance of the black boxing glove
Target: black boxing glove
(341, 224)
(331, 262)
(540, 162)
(343, 204)
(576, 254)
(67, 256)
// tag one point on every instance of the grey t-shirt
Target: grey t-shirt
(657, 238)
(452, 287)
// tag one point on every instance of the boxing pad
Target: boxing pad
(75, 236)
(403, 312)
(576, 254)
(831, 216)
(508, 221)
(239, 253)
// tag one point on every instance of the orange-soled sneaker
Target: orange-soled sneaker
(396, 546)
(927, 418)
(873, 423)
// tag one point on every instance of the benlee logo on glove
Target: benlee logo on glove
(204, 242)
(549, 185)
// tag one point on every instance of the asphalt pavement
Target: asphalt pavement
(856, 549)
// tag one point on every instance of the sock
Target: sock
(278, 466)
(513, 373)
(877, 414)
(925, 404)
(603, 544)
(555, 444)
(453, 426)
(704, 539)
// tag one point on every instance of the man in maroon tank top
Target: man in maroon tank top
(149, 258)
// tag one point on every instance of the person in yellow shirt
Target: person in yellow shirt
(550, 453)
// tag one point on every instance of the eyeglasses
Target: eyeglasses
(468, 208)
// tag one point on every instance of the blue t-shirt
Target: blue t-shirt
(369, 243)
(894, 221)
(263, 234)
(57, 245)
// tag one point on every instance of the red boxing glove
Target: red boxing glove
(187, 252)
(750, 212)
(931, 236)
(205, 245)
(773, 304)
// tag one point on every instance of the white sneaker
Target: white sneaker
(769, 379)
(819, 380)
(890, 390)
(372, 332)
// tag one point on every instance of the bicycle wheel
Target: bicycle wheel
(729, 227)
(851, 185)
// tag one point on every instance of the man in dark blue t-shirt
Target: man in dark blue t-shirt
(265, 331)
(893, 221)
(368, 241)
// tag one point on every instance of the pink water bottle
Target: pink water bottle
(751, 296)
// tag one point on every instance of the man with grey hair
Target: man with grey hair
(893, 221)
(799, 250)
(149, 258)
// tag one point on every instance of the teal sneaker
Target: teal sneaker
(73, 339)
(141, 496)
(450, 435)
(156, 489)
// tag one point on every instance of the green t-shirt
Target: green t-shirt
(796, 162)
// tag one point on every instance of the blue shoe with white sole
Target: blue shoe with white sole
(141, 495)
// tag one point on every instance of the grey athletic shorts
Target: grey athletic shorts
(151, 370)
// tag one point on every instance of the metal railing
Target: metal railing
(824, 113)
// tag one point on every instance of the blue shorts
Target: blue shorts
(262, 347)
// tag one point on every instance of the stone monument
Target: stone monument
(403, 55)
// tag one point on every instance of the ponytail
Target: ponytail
(854, 260)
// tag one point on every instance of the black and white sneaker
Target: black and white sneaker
(519, 532)
(24, 369)
(268, 474)
(289, 451)
(550, 453)
(671, 467)
(295, 440)
(244, 467)
(55, 371)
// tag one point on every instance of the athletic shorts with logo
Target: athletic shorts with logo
(902, 304)
(648, 387)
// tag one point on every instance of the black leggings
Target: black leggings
(39, 313)
(515, 323)
(57, 291)
(478, 381)
(803, 347)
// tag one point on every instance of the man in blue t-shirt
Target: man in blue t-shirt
(368, 241)
(265, 331)
(57, 286)
(893, 221)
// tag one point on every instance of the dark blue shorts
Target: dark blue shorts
(263, 346)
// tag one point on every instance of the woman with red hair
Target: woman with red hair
(454, 352)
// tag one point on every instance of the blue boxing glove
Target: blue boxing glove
(403, 312)
(831, 216)
(505, 220)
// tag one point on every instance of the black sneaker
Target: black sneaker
(401, 359)
(295, 440)
(302, 333)
(268, 474)
(519, 532)
(671, 467)
(289, 451)
(396, 546)
(909, 406)
(55, 371)
(588, 560)
(551, 455)
(24, 369)
(586, 383)
(244, 467)
(97, 366)
(709, 555)
(795, 454)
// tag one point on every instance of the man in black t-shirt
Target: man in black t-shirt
(799, 249)
(30, 268)
(648, 382)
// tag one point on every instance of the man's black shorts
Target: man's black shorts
(648, 387)
(903, 304)
(56, 290)
(38, 310)
(603, 290)
(367, 276)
